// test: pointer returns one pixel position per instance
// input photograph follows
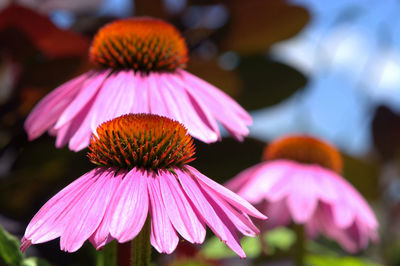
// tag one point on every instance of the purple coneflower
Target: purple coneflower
(300, 181)
(142, 183)
(140, 65)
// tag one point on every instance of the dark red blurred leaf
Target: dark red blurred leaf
(255, 24)
(153, 8)
(386, 132)
(45, 36)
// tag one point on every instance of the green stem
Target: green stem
(300, 245)
(107, 256)
(141, 247)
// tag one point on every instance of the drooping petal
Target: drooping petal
(89, 89)
(67, 131)
(240, 220)
(102, 236)
(359, 204)
(183, 110)
(203, 207)
(229, 228)
(105, 96)
(48, 110)
(233, 117)
(88, 212)
(303, 198)
(115, 98)
(52, 218)
(140, 92)
(278, 214)
(129, 207)
(179, 211)
(260, 179)
(238, 202)
(163, 236)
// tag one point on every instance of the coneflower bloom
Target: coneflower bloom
(142, 172)
(139, 69)
(300, 181)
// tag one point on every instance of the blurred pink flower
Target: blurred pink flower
(301, 183)
(137, 180)
(140, 70)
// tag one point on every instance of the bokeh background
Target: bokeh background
(326, 68)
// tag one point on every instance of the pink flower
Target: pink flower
(142, 172)
(140, 70)
(301, 183)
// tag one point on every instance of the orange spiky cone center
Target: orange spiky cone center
(141, 140)
(143, 44)
(305, 149)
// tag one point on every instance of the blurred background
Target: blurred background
(326, 68)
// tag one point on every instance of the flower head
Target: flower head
(142, 44)
(301, 182)
(142, 172)
(141, 140)
(139, 69)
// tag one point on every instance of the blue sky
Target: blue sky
(351, 53)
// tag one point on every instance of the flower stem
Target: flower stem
(108, 256)
(141, 247)
(300, 245)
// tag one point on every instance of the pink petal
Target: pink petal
(260, 179)
(102, 236)
(278, 214)
(234, 118)
(229, 229)
(129, 207)
(67, 131)
(51, 219)
(303, 198)
(114, 99)
(191, 113)
(179, 210)
(107, 96)
(343, 214)
(49, 109)
(240, 220)
(329, 228)
(183, 111)
(87, 213)
(203, 207)
(359, 204)
(240, 180)
(140, 90)
(226, 194)
(89, 88)
(163, 236)
(207, 90)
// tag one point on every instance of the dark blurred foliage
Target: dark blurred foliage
(36, 56)
(386, 132)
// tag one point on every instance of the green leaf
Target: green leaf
(9, 248)
(214, 248)
(323, 260)
(281, 238)
(33, 261)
